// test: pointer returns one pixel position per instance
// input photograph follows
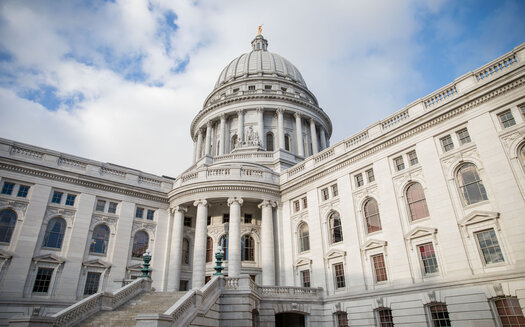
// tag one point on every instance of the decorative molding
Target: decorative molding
(97, 218)
(334, 253)
(159, 197)
(477, 217)
(302, 261)
(148, 226)
(373, 244)
(24, 152)
(204, 189)
(510, 141)
(17, 205)
(61, 161)
(66, 213)
(420, 232)
(318, 173)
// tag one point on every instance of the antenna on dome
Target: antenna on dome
(259, 29)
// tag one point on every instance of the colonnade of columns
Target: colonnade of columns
(201, 149)
(234, 242)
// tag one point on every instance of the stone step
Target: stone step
(152, 302)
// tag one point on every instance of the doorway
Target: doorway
(289, 319)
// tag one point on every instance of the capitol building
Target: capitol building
(416, 220)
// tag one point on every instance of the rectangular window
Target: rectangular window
(399, 163)
(305, 276)
(70, 199)
(463, 136)
(235, 90)
(305, 203)
(296, 205)
(267, 87)
(101, 204)
(509, 311)
(57, 197)
(412, 158)
(506, 119)
(428, 258)
(359, 180)
(42, 280)
(335, 191)
(92, 281)
(139, 212)
(370, 175)
(225, 218)
(247, 218)
(489, 246)
(183, 285)
(439, 314)
(150, 214)
(8, 188)
(251, 88)
(112, 207)
(339, 275)
(379, 268)
(23, 190)
(342, 319)
(324, 194)
(187, 221)
(208, 220)
(447, 143)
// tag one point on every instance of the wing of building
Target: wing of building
(418, 219)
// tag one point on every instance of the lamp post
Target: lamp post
(146, 257)
(218, 268)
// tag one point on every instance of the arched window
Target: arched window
(185, 251)
(209, 249)
(373, 221)
(223, 241)
(7, 224)
(100, 239)
(269, 141)
(521, 155)
(336, 230)
(54, 236)
(470, 185)
(304, 237)
(417, 204)
(234, 142)
(247, 248)
(287, 142)
(140, 244)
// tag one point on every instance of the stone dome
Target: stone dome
(259, 62)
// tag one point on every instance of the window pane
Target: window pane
(417, 203)
(509, 312)
(70, 199)
(209, 249)
(185, 251)
(22, 191)
(112, 207)
(92, 281)
(336, 228)
(7, 224)
(305, 275)
(150, 214)
(379, 268)
(54, 233)
(463, 136)
(42, 280)
(428, 258)
(342, 319)
(247, 248)
(373, 221)
(447, 143)
(139, 213)
(489, 246)
(506, 118)
(304, 238)
(370, 174)
(101, 204)
(100, 239)
(224, 243)
(412, 157)
(8, 188)
(339, 275)
(439, 315)
(269, 142)
(385, 317)
(57, 197)
(140, 244)
(470, 185)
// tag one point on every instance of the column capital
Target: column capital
(267, 203)
(279, 111)
(200, 202)
(259, 109)
(209, 124)
(178, 209)
(240, 111)
(223, 117)
(232, 200)
(297, 115)
(311, 120)
(199, 131)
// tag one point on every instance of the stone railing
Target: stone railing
(357, 139)
(495, 67)
(294, 170)
(236, 156)
(218, 172)
(26, 152)
(85, 308)
(395, 119)
(251, 172)
(447, 93)
(290, 291)
(324, 155)
(189, 177)
(231, 283)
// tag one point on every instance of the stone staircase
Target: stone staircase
(124, 316)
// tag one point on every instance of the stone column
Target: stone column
(194, 151)
(199, 248)
(323, 138)
(260, 126)
(240, 125)
(222, 139)
(299, 134)
(199, 146)
(208, 139)
(280, 127)
(234, 237)
(267, 243)
(313, 134)
(176, 248)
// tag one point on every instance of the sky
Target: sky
(120, 81)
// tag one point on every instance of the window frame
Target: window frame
(105, 240)
(482, 253)
(332, 227)
(305, 278)
(412, 158)
(428, 311)
(49, 282)
(466, 202)
(413, 204)
(134, 243)
(462, 139)
(339, 279)
(376, 268)
(447, 144)
(368, 217)
(47, 234)
(508, 122)
(422, 261)
(515, 305)
(399, 163)
(359, 180)
(302, 238)
(9, 227)
(87, 280)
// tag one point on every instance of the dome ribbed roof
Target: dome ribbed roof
(259, 62)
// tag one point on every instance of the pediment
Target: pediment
(303, 262)
(420, 232)
(335, 254)
(373, 244)
(97, 263)
(4, 255)
(476, 217)
(49, 258)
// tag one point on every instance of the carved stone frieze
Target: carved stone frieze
(402, 179)
(17, 205)
(66, 213)
(107, 219)
(325, 208)
(459, 156)
(509, 139)
(149, 226)
(217, 231)
(370, 191)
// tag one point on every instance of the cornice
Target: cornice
(146, 194)
(213, 188)
(322, 171)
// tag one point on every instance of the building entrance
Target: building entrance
(288, 319)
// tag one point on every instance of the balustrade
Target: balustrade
(495, 68)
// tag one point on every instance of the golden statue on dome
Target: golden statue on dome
(259, 29)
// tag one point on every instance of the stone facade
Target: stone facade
(417, 216)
